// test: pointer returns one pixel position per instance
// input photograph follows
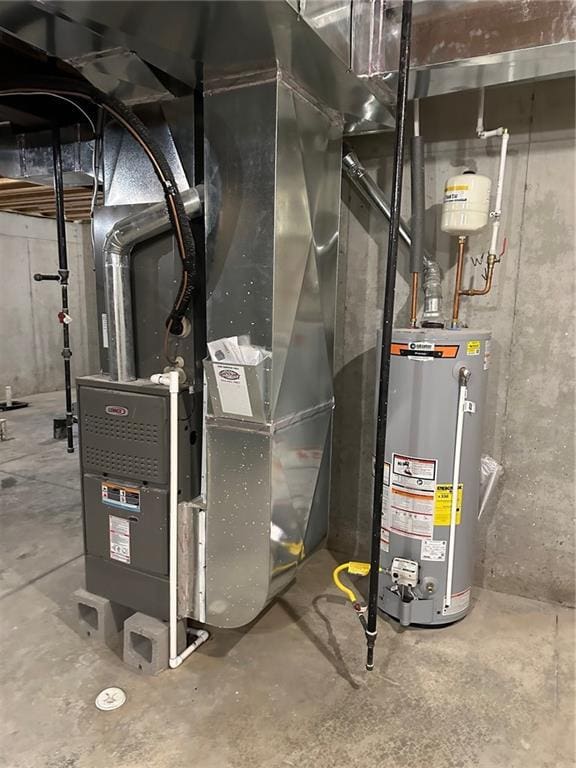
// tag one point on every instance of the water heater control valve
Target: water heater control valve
(404, 572)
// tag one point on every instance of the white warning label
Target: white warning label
(458, 603)
(233, 389)
(412, 489)
(385, 528)
(119, 539)
(412, 472)
(105, 342)
(433, 550)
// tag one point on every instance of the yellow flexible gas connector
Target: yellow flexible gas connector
(356, 569)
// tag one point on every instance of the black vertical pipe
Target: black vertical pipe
(387, 322)
(418, 204)
(64, 274)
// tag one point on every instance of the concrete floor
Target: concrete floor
(495, 690)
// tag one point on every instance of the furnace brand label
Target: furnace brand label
(443, 504)
(116, 410)
(458, 603)
(121, 496)
(119, 539)
(233, 389)
(412, 489)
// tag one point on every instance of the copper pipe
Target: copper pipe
(487, 281)
(414, 299)
(457, 288)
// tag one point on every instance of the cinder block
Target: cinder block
(147, 643)
(98, 617)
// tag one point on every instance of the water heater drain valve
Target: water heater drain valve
(404, 572)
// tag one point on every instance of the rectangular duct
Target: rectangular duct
(272, 207)
(463, 44)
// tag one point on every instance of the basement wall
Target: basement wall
(31, 336)
(526, 536)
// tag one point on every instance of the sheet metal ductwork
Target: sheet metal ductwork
(118, 249)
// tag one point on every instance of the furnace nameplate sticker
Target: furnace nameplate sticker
(119, 539)
(443, 504)
(233, 389)
(412, 491)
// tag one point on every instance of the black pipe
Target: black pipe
(387, 321)
(418, 204)
(63, 273)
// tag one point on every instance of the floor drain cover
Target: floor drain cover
(110, 698)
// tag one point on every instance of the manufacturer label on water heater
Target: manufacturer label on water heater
(434, 551)
(473, 347)
(443, 503)
(424, 350)
(410, 497)
(385, 527)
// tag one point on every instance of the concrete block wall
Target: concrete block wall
(31, 336)
(526, 537)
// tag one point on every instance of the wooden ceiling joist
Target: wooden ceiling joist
(18, 196)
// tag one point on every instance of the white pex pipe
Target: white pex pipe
(463, 377)
(484, 134)
(497, 212)
(172, 381)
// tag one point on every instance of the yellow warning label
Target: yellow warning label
(443, 503)
(473, 348)
(457, 188)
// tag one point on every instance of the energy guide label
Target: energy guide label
(123, 497)
(119, 529)
(411, 496)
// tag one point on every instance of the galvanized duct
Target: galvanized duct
(118, 247)
(373, 194)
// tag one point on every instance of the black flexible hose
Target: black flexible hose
(387, 322)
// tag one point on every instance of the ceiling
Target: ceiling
(37, 200)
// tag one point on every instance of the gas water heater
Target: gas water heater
(436, 403)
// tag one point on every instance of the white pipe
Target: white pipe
(201, 636)
(416, 117)
(483, 134)
(497, 212)
(463, 377)
(480, 119)
(172, 381)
